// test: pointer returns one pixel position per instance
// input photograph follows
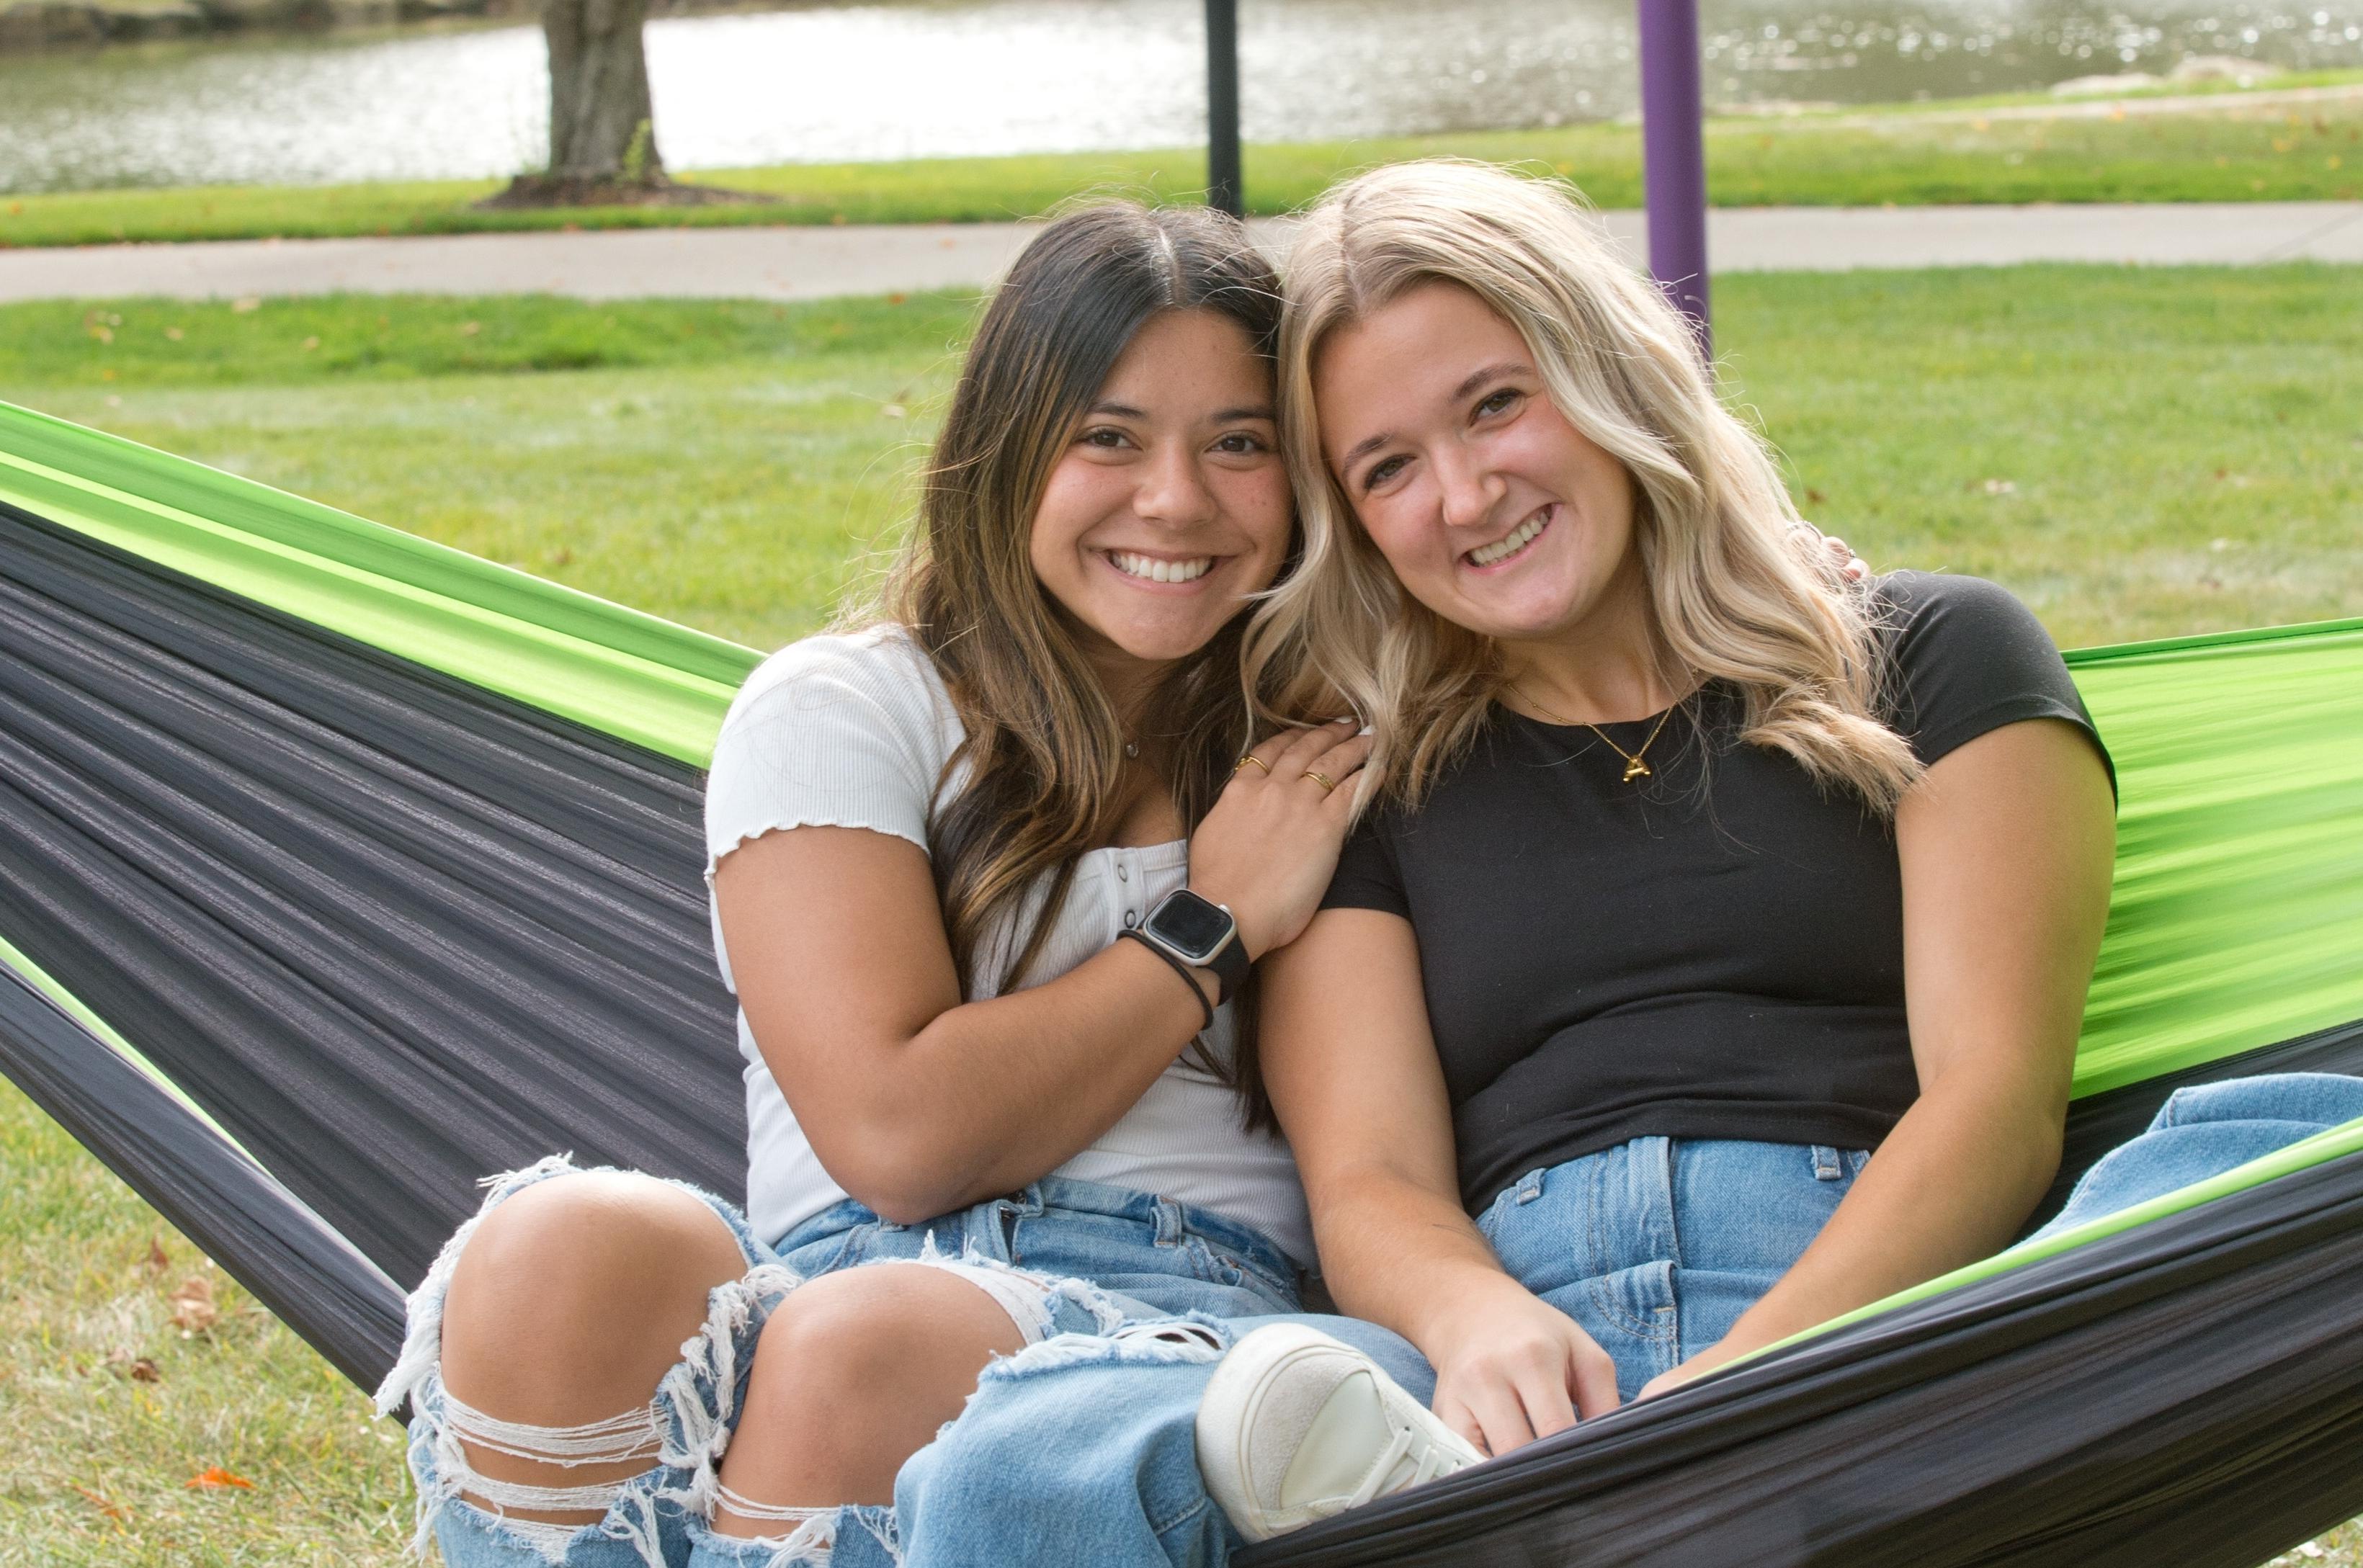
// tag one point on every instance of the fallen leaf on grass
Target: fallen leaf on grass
(246, 306)
(157, 1259)
(214, 1477)
(112, 1509)
(193, 1305)
(140, 1369)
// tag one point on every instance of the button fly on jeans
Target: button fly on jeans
(1007, 1214)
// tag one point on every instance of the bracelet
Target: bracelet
(1181, 969)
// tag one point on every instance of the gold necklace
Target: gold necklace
(1634, 767)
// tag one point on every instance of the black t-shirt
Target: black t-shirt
(1714, 952)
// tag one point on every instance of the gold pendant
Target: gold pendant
(1636, 768)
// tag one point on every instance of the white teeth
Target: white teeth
(1156, 570)
(1518, 541)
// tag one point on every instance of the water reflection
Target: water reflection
(980, 76)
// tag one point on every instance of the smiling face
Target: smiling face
(1494, 512)
(1170, 505)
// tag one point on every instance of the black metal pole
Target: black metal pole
(1224, 188)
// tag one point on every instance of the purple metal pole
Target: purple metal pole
(1674, 159)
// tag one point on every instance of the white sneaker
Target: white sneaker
(1296, 1427)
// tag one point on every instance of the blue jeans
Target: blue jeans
(2206, 1130)
(1116, 1277)
(1081, 1448)
(1656, 1247)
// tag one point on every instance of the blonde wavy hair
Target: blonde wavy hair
(1734, 597)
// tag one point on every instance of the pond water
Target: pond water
(946, 77)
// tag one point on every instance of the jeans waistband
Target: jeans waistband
(1162, 1219)
(1162, 1215)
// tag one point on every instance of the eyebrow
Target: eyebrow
(1262, 411)
(1469, 384)
(1478, 377)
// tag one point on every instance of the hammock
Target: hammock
(338, 869)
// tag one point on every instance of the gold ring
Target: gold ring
(1245, 760)
(1327, 784)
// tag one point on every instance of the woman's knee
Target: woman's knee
(577, 1291)
(845, 1338)
(853, 1373)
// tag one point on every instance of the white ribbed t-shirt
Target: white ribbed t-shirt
(854, 731)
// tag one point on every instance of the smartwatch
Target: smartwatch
(1201, 934)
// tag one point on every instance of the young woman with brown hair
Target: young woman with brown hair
(987, 871)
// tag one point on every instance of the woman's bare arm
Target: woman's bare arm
(918, 1102)
(2007, 846)
(1353, 1073)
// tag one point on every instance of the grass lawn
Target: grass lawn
(2138, 452)
(2238, 148)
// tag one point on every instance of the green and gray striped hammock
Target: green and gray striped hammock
(338, 869)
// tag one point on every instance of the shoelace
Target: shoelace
(1433, 1462)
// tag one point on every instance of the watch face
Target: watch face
(1189, 924)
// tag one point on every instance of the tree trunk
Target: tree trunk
(602, 141)
(601, 129)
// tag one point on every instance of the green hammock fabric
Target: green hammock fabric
(634, 676)
(2238, 905)
(2238, 912)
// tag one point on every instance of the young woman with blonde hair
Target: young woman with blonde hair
(1691, 875)
(1688, 874)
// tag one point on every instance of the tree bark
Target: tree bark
(603, 140)
(602, 130)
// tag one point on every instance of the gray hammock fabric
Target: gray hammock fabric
(389, 931)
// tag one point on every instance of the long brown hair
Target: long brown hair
(1044, 754)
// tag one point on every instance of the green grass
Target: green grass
(2170, 450)
(2236, 149)
(100, 1455)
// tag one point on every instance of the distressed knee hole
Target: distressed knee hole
(632, 1436)
(1190, 1338)
(1184, 1336)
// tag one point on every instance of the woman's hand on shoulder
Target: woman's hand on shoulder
(1836, 551)
(1511, 1368)
(1268, 849)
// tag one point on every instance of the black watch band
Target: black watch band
(1194, 931)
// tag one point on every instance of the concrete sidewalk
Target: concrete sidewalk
(817, 263)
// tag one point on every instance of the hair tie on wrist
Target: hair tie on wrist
(1181, 969)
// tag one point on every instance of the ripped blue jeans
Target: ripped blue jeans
(1091, 1274)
